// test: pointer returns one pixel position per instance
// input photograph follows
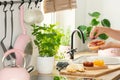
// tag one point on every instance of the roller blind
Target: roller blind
(58, 5)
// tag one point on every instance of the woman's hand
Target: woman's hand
(110, 45)
(106, 45)
(99, 44)
(96, 31)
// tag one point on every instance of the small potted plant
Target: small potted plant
(65, 41)
(65, 44)
(47, 38)
(95, 21)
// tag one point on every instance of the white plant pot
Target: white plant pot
(109, 52)
(45, 65)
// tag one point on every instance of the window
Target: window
(65, 18)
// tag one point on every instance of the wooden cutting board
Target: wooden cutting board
(92, 73)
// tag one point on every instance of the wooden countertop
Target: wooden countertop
(111, 76)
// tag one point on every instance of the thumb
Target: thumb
(96, 35)
(103, 46)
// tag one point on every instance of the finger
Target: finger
(96, 35)
(93, 32)
(102, 47)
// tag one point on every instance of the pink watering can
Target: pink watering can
(16, 71)
(23, 41)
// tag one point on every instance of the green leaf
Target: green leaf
(89, 30)
(94, 22)
(105, 22)
(103, 36)
(47, 39)
(85, 34)
(82, 27)
(60, 78)
(94, 14)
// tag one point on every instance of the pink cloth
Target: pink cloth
(109, 52)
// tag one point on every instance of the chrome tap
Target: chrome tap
(72, 50)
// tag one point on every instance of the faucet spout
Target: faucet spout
(71, 52)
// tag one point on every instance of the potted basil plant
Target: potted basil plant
(47, 38)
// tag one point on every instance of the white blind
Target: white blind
(57, 5)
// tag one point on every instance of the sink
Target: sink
(107, 60)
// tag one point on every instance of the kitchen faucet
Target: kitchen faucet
(72, 50)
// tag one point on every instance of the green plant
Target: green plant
(47, 39)
(94, 22)
(65, 40)
(60, 78)
(59, 56)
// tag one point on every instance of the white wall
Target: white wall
(111, 10)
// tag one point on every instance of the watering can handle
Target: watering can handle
(22, 20)
(16, 51)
